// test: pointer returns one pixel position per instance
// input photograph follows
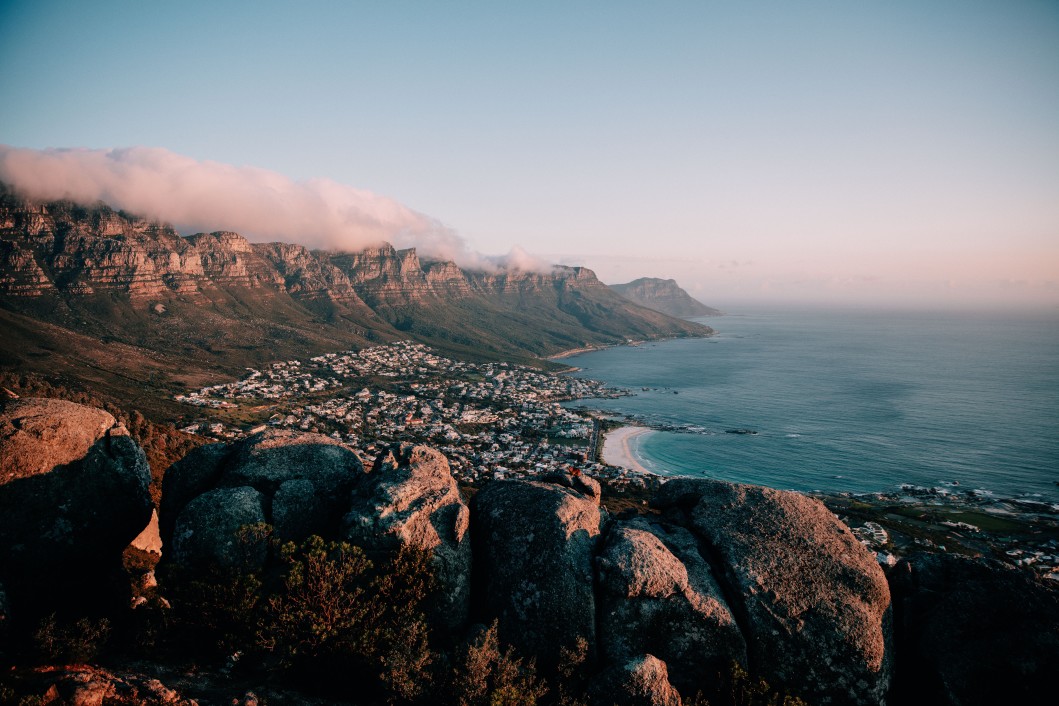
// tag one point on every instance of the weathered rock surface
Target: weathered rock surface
(973, 631)
(36, 435)
(411, 499)
(534, 546)
(185, 480)
(73, 494)
(303, 484)
(267, 460)
(813, 605)
(640, 681)
(149, 540)
(658, 596)
(210, 531)
(85, 685)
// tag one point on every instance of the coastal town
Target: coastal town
(491, 420)
(496, 420)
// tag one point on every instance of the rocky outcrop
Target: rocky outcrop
(310, 276)
(663, 295)
(659, 596)
(534, 544)
(730, 573)
(726, 573)
(215, 531)
(385, 277)
(640, 681)
(298, 482)
(185, 480)
(973, 631)
(85, 685)
(73, 494)
(813, 605)
(411, 499)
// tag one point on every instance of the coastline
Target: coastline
(618, 452)
(575, 351)
(639, 342)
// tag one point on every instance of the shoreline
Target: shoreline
(617, 451)
(575, 351)
(604, 346)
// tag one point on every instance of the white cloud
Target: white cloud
(261, 205)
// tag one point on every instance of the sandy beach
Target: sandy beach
(616, 451)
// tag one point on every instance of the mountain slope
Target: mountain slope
(663, 295)
(213, 303)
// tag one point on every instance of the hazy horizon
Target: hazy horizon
(893, 155)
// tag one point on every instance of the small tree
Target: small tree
(320, 608)
(488, 676)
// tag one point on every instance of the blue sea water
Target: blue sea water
(845, 401)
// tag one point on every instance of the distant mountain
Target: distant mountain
(663, 295)
(99, 294)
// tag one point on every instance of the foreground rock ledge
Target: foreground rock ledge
(534, 545)
(73, 494)
(813, 605)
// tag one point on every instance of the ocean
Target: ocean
(843, 401)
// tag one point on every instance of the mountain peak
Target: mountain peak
(663, 295)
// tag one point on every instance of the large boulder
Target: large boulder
(187, 479)
(638, 681)
(216, 529)
(73, 494)
(269, 459)
(411, 499)
(658, 596)
(534, 544)
(814, 605)
(301, 484)
(973, 631)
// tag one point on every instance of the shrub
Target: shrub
(76, 642)
(325, 613)
(399, 630)
(740, 688)
(215, 607)
(320, 609)
(573, 679)
(334, 611)
(487, 676)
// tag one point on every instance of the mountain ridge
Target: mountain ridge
(215, 302)
(664, 295)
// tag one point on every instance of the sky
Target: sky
(901, 154)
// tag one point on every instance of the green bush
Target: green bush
(333, 608)
(489, 676)
(320, 607)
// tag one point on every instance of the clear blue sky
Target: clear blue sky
(889, 151)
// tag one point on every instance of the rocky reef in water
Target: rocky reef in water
(730, 591)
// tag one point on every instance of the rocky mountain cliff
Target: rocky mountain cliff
(663, 295)
(214, 301)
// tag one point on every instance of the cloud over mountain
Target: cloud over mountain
(262, 205)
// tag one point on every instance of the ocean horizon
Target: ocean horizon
(848, 400)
